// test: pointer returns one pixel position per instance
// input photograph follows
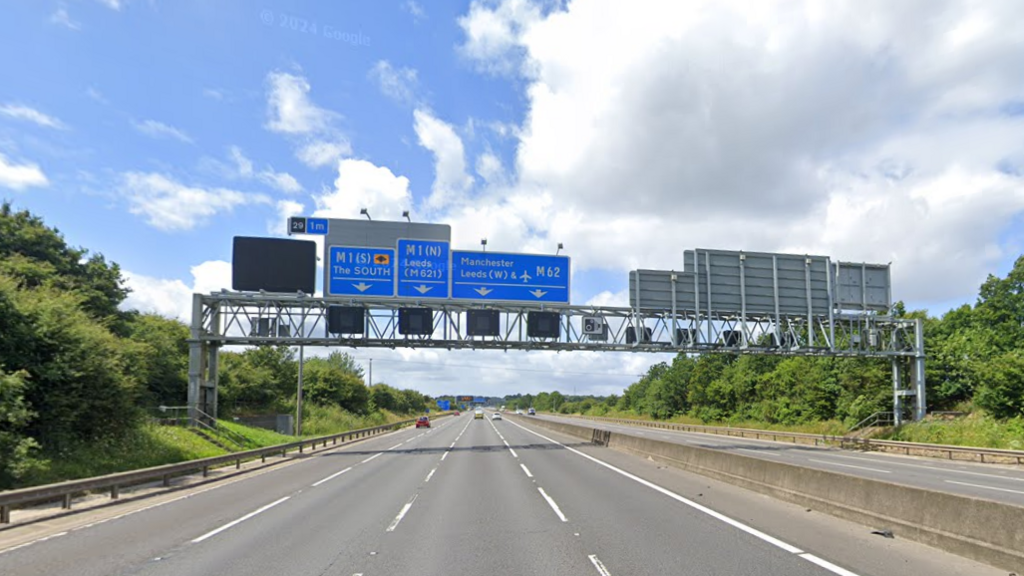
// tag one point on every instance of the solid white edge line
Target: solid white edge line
(827, 565)
(239, 521)
(826, 462)
(722, 517)
(717, 515)
(984, 486)
(429, 475)
(401, 514)
(599, 565)
(332, 476)
(527, 470)
(371, 457)
(759, 452)
(553, 504)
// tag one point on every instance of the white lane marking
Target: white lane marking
(599, 565)
(332, 477)
(26, 544)
(514, 455)
(213, 533)
(445, 455)
(734, 523)
(892, 460)
(429, 475)
(849, 466)
(507, 445)
(371, 457)
(401, 514)
(759, 452)
(827, 565)
(451, 446)
(527, 470)
(553, 505)
(396, 446)
(984, 486)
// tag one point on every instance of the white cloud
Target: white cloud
(399, 84)
(289, 108)
(169, 205)
(282, 181)
(172, 298)
(361, 184)
(155, 129)
(655, 126)
(243, 164)
(96, 95)
(489, 167)
(493, 35)
(285, 210)
(450, 180)
(320, 153)
(214, 94)
(113, 4)
(416, 9)
(22, 112)
(20, 176)
(60, 17)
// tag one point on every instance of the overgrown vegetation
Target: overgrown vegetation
(78, 374)
(975, 358)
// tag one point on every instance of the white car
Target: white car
(496, 416)
(478, 413)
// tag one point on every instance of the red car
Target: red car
(456, 412)
(423, 422)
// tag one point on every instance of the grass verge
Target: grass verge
(978, 430)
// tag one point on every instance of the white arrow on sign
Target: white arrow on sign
(362, 286)
(538, 293)
(483, 291)
(422, 288)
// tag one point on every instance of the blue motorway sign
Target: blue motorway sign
(479, 400)
(361, 271)
(444, 405)
(510, 277)
(422, 269)
(317, 226)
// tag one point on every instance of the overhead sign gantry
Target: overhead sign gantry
(399, 284)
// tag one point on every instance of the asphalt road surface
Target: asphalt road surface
(474, 497)
(992, 482)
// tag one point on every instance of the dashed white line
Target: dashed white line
(233, 523)
(527, 470)
(553, 505)
(429, 475)
(892, 461)
(704, 509)
(445, 455)
(401, 514)
(396, 446)
(599, 565)
(984, 486)
(850, 466)
(332, 477)
(371, 457)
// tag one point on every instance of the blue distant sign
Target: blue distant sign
(479, 400)
(444, 405)
(510, 277)
(422, 268)
(361, 271)
(317, 226)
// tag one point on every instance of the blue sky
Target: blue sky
(154, 131)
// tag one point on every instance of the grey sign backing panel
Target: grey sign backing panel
(733, 283)
(861, 286)
(377, 234)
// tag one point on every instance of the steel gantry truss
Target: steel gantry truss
(246, 319)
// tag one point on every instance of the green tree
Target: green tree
(17, 449)
(1002, 388)
(160, 359)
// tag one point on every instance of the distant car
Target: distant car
(478, 413)
(496, 416)
(531, 412)
(456, 412)
(520, 412)
(423, 422)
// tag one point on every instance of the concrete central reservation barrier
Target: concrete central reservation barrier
(983, 530)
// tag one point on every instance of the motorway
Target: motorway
(468, 497)
(989, 481)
